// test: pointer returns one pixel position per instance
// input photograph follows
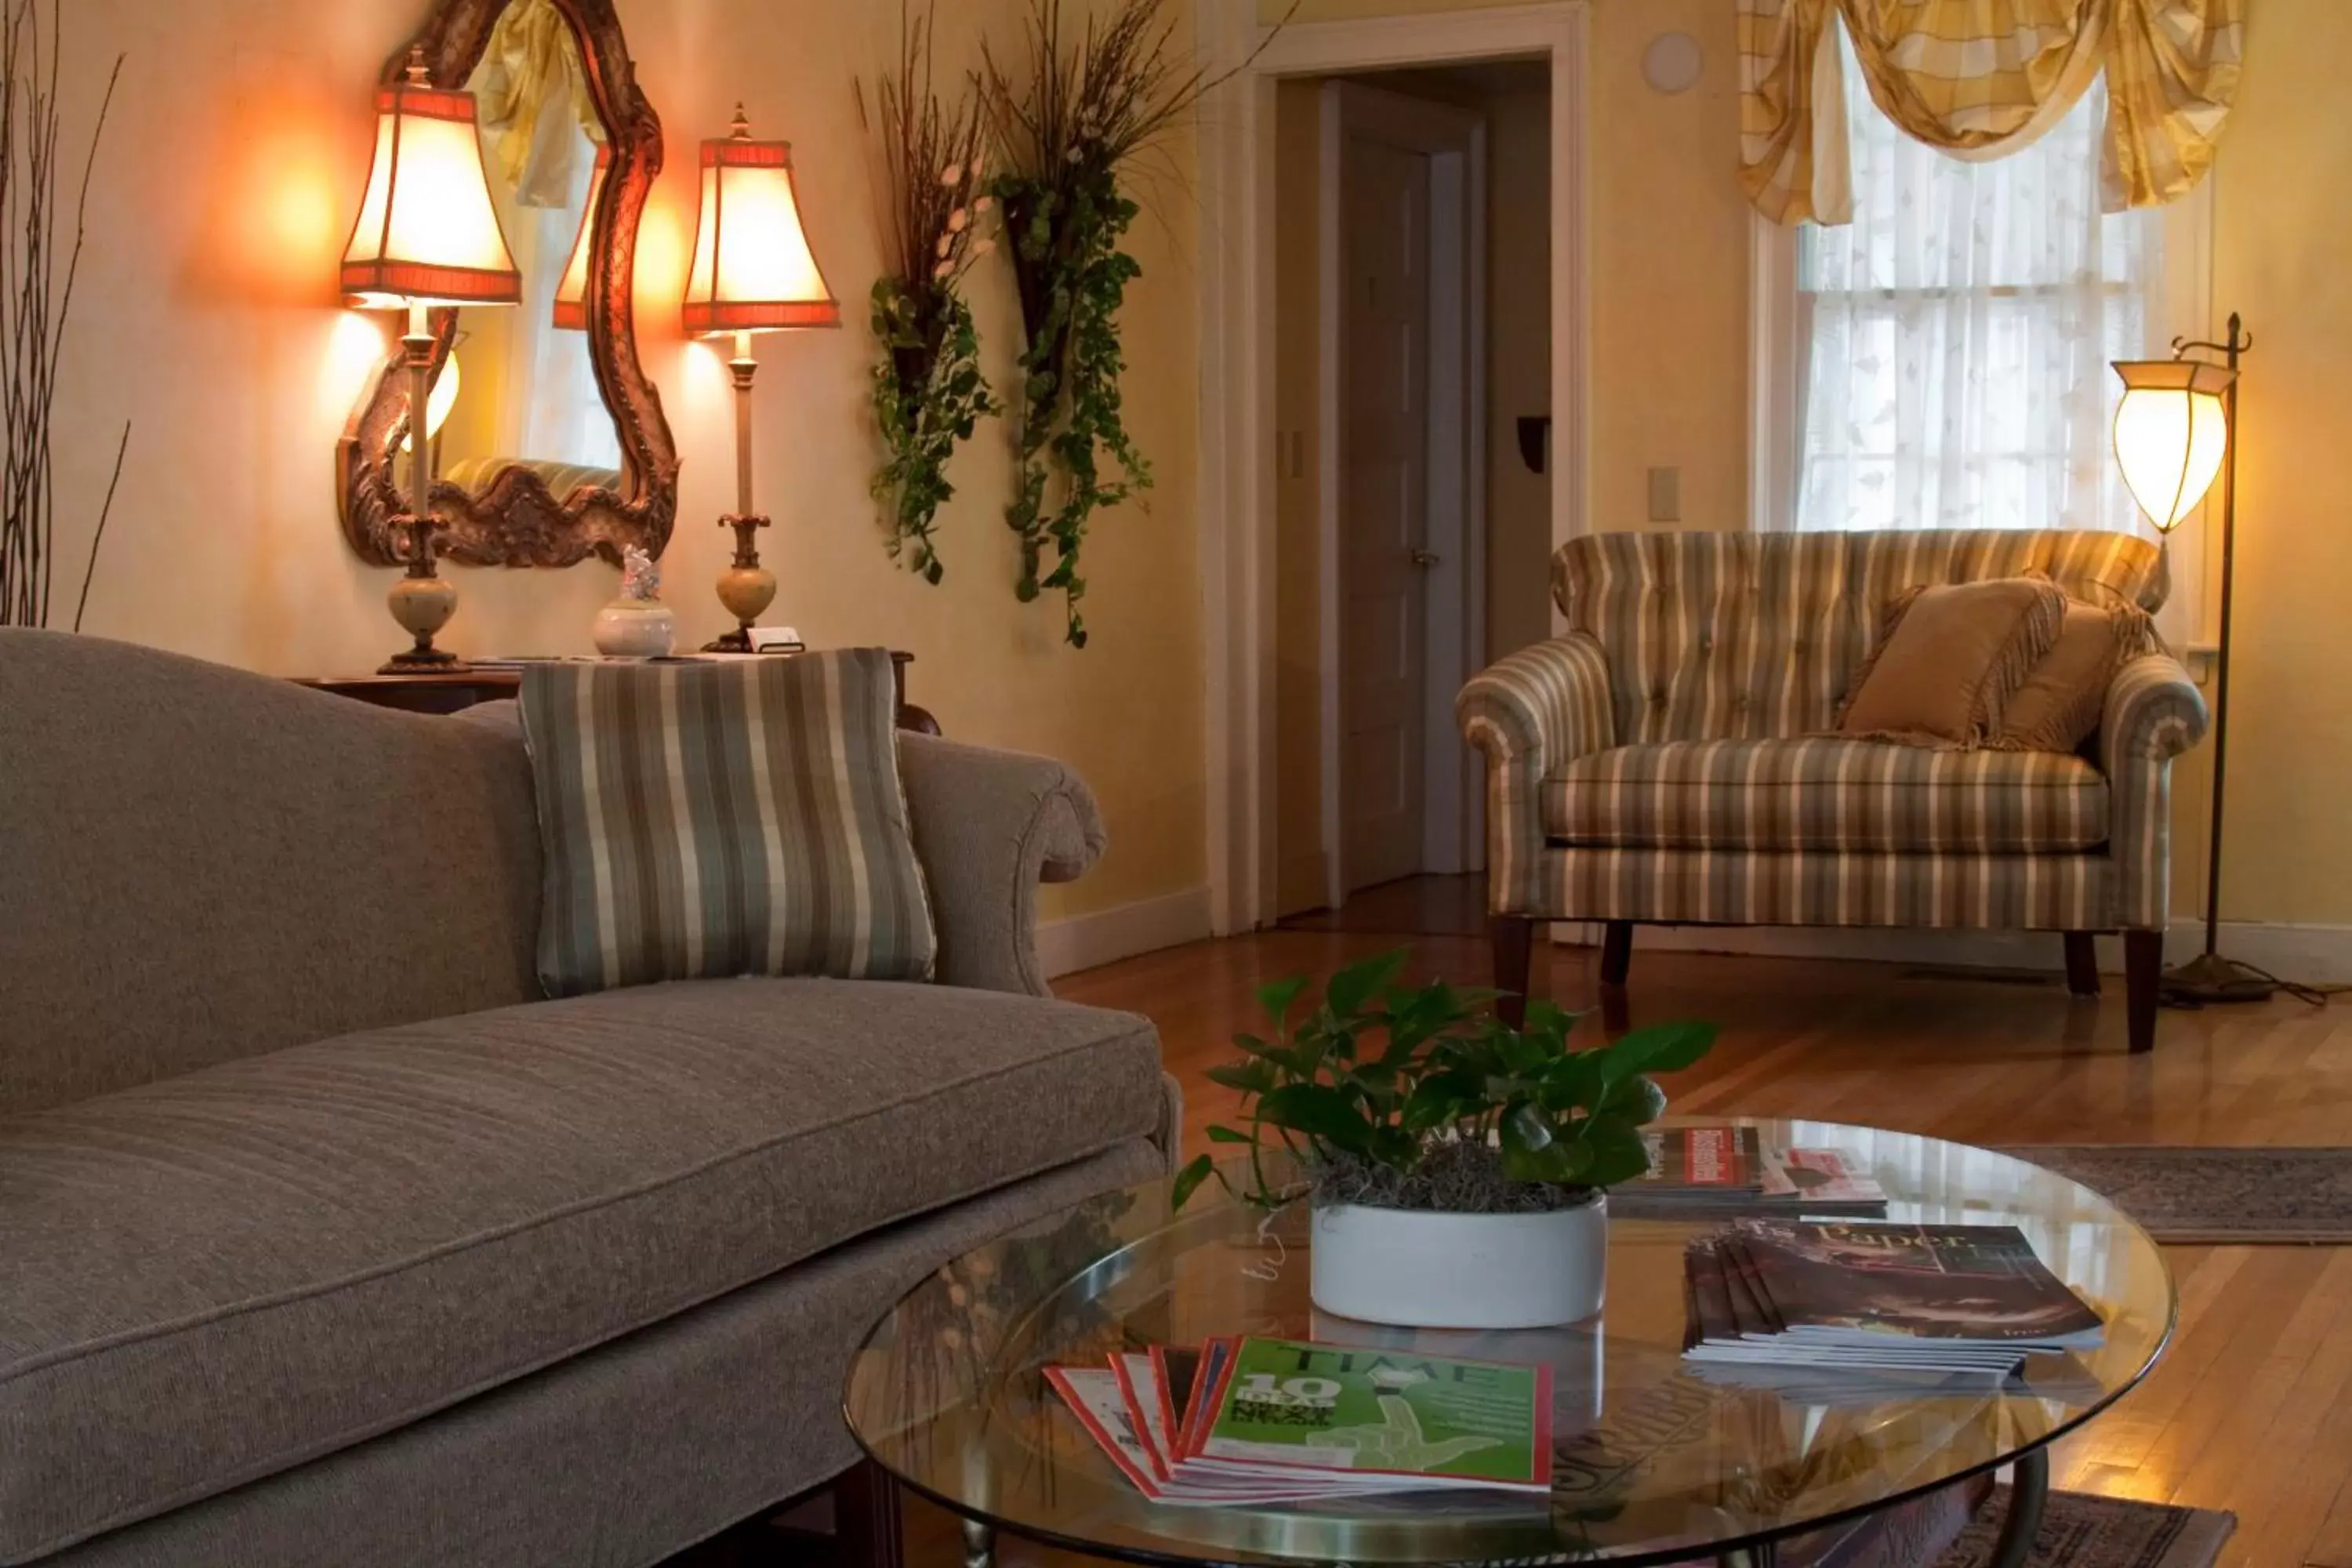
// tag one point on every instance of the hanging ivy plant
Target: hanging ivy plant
(1069, 128)
(1074, 279)
(930, 394)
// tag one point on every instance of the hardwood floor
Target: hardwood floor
(2252, 1409)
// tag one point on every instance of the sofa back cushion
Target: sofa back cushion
(1746, 636)
(701, 821)
(198, 863)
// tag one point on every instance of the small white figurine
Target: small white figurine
(640, 575)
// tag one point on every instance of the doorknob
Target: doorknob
(1424, 559)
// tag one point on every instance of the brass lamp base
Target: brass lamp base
(2212, 980)
(736, 641)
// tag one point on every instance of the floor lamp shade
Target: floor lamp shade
(753, 270)
(571, 294)
(427, 233)
(2172, 430)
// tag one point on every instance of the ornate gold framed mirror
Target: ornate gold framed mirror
(544, 435)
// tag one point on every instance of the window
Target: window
(1951, 345)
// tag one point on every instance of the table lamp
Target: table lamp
(754, 272)
(426, 234)
(2176, 430)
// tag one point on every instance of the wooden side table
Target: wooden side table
(453, 692)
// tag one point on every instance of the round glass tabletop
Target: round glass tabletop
(1653, 1462)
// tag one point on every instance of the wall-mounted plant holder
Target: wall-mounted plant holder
(1534, 440)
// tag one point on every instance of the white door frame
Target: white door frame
(1455, 140)
(1237, 347)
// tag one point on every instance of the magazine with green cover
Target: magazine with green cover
(1417, 1420)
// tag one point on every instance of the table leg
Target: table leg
(866, 1518)
(979, 1545)
(2029, 1488)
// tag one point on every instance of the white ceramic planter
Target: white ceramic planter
(1461, 1270)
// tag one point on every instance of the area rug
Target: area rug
(2080, 1531)
(2215, 1197)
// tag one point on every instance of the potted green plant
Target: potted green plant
(1458, 1166)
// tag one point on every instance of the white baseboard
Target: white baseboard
(1085, 941)
(2319, 956)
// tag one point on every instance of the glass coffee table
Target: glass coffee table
(1653, 1464)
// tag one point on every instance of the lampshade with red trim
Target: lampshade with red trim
(427, 232)
(571, 294)
(753, 270)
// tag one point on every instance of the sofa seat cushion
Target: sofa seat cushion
(1826, 793)
(214, 1277)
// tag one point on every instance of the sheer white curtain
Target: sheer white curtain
(1954, 341)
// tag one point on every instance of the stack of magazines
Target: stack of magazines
(1262, 1420)
(1726, 1169)
(1915, 1301)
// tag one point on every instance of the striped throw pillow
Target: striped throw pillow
(705, 820)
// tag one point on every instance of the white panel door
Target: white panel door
(1384, 509)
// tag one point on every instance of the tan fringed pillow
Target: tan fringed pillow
(2060, 705)
(1948, 658)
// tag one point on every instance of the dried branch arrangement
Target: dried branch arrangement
(929, 392)
(38, 268)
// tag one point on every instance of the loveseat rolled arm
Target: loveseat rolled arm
(1529, 714)
(988, 826)
(2154, 713)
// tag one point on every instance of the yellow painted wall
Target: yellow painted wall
(206, 318)
(2283, 232)
(1669, 245)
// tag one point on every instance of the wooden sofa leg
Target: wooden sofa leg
(1616, 953)
(2143, 975)
(2082, 965)
(1514, 937)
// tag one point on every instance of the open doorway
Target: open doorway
(1412, 291)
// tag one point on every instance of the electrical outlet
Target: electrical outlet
(1665, 495)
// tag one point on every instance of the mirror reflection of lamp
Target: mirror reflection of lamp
(437, 404)
(571, 294)
(426, 234)
(2175, 432)
(754, 272)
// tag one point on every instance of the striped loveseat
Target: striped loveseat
(1663, 760)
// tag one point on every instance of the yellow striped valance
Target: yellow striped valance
(1981, 78)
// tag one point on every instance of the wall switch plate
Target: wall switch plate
(1665, 495)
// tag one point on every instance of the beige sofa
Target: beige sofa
(322, 1239)
(1663, 762)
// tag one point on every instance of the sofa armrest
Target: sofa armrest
(2154, 713)
(988, 826)
(1529, 714)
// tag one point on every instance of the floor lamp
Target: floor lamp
(2176, 429)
